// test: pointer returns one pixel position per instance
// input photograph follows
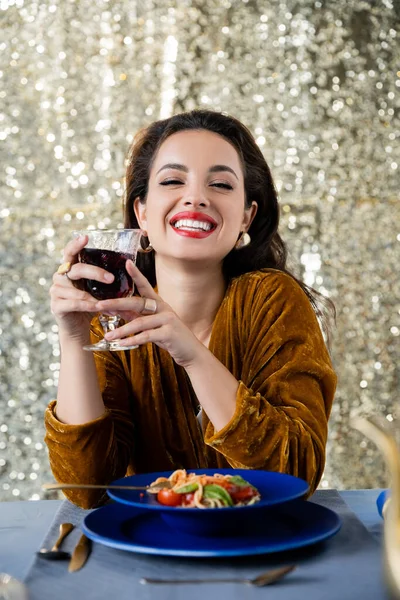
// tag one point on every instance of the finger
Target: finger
(156, 336)
(137, 340)
(63, 307)
(70, 293)
(142, 284)
(72, 249)
(126, 315)
(64, 281)
(138, 325)
(61, 280)
(129, 304)
(85, 271)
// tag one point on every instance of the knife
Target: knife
(80, 554)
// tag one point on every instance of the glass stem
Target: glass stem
(109, 323)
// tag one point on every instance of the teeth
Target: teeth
(192, 225)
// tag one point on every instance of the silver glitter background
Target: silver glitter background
(317, 82)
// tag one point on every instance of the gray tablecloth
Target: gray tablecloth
(345, 567)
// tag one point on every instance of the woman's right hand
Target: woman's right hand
(72, 307)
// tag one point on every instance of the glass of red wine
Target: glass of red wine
(109, 249)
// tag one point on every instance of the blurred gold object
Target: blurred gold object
(80, 554)
(386, 442)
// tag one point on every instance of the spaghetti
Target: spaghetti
(205, 491)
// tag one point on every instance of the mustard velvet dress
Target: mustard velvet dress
(267, 335)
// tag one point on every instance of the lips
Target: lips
(193, 224)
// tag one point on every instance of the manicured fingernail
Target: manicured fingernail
(109, 277)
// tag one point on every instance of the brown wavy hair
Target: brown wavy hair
(267, 249)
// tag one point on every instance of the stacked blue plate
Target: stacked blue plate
(382, 502)
(281, 520)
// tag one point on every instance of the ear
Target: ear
(140, 212)
(249, 215)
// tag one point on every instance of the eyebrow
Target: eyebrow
(213, 169)
(219, 168)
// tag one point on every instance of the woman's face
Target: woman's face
(195, 207)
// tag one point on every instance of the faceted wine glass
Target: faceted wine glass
(109, 249)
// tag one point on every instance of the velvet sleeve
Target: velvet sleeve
(98, 451)
(286, 382)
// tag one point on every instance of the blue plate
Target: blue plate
(274, 488)
(381, 502)
(285, 527)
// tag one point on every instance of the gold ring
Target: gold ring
(64, 268)
(149, 307)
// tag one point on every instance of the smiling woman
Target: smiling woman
(220, 326)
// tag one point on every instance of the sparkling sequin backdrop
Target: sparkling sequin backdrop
(318, 84)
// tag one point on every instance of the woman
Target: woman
(221, 327)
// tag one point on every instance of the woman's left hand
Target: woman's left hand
(163, 328)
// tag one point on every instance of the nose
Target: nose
(196, 196)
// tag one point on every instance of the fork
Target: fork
(266, 578)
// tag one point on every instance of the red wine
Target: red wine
(111, 261)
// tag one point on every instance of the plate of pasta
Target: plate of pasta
(209, 501)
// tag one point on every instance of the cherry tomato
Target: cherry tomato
(241, 494)
(231, 488)
(169, 498)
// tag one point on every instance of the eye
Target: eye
(221, 184)
(171, 182)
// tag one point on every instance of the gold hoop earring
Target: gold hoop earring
(243, 241)
(146, 250)
(149, 248)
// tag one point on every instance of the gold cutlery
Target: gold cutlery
(154, 487)
(80, 554)
(270, 576)
(55, 553)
